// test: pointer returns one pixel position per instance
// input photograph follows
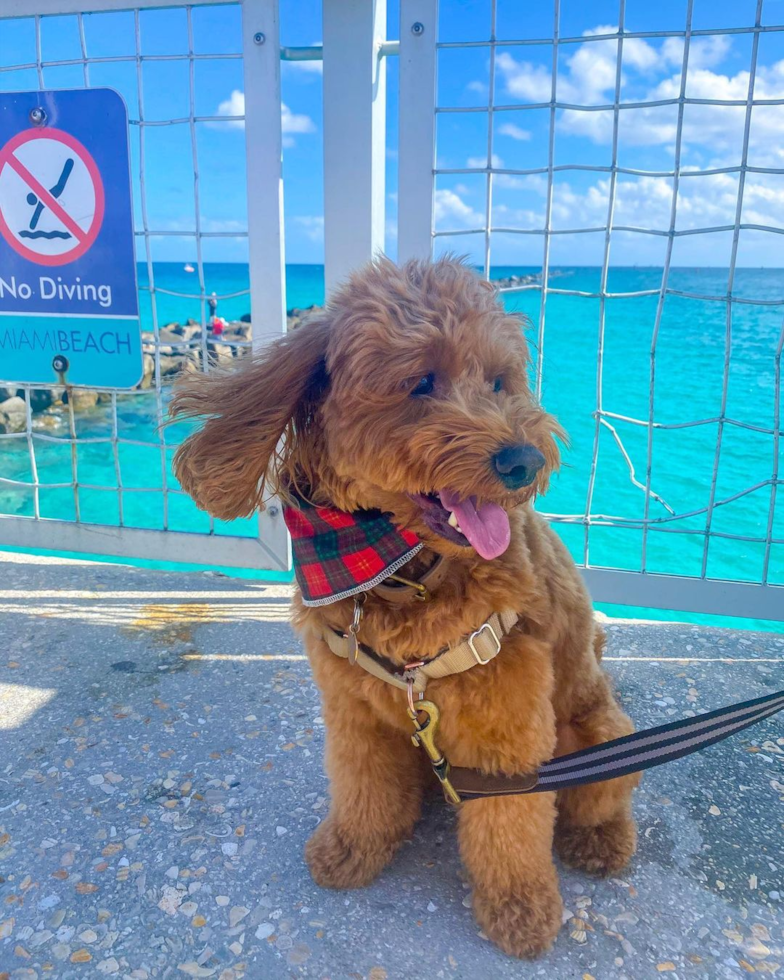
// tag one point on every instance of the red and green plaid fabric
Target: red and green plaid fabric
(337, 554)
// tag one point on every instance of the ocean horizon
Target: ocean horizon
(690, 362)
(305, 284)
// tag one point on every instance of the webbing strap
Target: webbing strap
(482, 646)
(631, 753)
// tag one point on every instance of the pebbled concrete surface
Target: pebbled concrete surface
(160, 771)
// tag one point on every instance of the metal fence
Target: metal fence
(136, 508)
(516, 88)
(522, 74)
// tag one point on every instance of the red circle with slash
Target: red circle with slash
(85, 237)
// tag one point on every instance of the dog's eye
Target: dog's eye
(425, 385)
(498, 384)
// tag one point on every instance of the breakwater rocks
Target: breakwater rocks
(529, 279)
(181, 347)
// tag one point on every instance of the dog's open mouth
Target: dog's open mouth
(485, 528)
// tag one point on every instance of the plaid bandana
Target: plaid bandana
(337, 554)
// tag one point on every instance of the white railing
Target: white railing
(355, 136)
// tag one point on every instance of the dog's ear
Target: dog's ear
(226, 464)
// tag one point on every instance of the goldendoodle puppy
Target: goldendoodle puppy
(407, 401)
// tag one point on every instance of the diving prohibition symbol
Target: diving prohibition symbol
(51, 196)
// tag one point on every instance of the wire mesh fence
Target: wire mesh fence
(618, 175)
(620, 184)
(103, 457)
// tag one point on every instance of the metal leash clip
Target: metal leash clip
(425, 735)
(353, 630)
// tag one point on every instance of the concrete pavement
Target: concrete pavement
(160, 772)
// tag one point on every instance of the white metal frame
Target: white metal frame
(354, 50)
(417, 122)
(354, 134)
(418, 170)
(263, 139)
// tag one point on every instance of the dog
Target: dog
(409, 396)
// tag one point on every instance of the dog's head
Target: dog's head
(409, 393)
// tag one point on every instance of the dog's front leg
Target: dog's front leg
(506, 844)
(595, 829)
(376, 787)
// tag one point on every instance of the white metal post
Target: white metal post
(263, 152)
(267, 258)
(354, 134)
(417, 128)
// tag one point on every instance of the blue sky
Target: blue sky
(651, 71)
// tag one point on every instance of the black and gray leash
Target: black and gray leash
(608, 760)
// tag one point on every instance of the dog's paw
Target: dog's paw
(601, 850)
(336, 861)
(523, 925)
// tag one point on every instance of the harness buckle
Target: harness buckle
(474, 650)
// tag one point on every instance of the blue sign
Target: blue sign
(69, 309)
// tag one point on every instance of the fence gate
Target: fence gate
(518, 129)
(109, 470)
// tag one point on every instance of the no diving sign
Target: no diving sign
(68, 301)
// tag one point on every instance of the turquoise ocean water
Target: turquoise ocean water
(691, 350)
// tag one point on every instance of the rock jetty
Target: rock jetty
(181, 347)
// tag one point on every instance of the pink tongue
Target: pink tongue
(487, 529)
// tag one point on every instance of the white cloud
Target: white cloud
(718, 127)
(505, 216)
(293, 123)
(516, 133)
(704, 52)
(290, 122)
(589, 78)
(479, 163)
(645, 202)
(233, 106)
(305, 67)
(640, 202)
(590, 74)
(500, 180)
(712, 137)
(224, 225)
(451, 211)
(312, 225)
(524, 80)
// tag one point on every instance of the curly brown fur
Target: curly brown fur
(328, 410)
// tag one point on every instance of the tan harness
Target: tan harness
(608, 760)
(479, 648)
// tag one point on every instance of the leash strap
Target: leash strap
(632, 753)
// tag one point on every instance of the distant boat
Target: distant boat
(188, 267)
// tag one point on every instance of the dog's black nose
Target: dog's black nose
(517, 466)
